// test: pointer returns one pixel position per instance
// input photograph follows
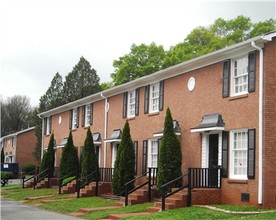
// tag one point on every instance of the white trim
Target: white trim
(112, 140)
(150, 152)
(97, 143)
(156, 98)
(207, 129)
(133, 92)
(161, 134)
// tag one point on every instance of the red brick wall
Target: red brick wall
(269, 135)
(25, 146)
(206, 196)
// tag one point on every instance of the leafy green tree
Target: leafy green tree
(53, 96)
(142, 60)
(263, 27)
(124, 164)
(81, 82)
(170, 157)
(107, 85)
(48, 161)
(69, 159)
(89, 160)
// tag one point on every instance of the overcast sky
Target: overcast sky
(41, 37)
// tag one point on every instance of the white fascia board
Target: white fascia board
(112, 140)
(207, 129)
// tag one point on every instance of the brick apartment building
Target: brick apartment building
(19, 147)
(224, 107)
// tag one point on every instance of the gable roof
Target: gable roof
(182, 68)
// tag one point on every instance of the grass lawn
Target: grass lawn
(14, 192)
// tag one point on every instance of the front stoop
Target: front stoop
(178, 200)
(29, 184)
(69, 188)
(118, 216)
(137, 197)
(90, 190)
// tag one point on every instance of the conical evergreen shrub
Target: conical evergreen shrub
(89, 163)
(69, 159)
(170, 156)
(48, 160)
(124, 164)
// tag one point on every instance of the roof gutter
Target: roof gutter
(261, 94)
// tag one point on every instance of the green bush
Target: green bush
(6, 175)
(28, 168)
(68, 180)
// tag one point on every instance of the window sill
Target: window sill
(153, 113)
(238, 97)
(74, 129)
(130, 118)
(232, 181)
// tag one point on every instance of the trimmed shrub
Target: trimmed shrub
(170, 156)
(48, 160)
(124, 164)
(89, 160)
(6, 175)
(28, 168)
(69, 159)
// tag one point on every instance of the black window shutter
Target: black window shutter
(137, 93)
(144, 159)
(251, 71)
(224, 172)
(146, 99)
(136, 155)
(45, 126)
(70, 118)
(50, 124)
(78, 114)
(161, 95)
(251, 154)
(226, 79)
(83, 116)
(125, 105)
(91, 113)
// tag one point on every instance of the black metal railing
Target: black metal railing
(41, 175)
(33, 173)
(106, 174)
(167, 190)
(205, 177)
(61, 183)
(82, 182)
(152, 180)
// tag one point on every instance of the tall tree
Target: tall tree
(170, 157)
(124, 164)
(142, 60)
(89, 160)
(48, 161)
(53, 96)
(69, 159)
(16, 113)
(81, 82)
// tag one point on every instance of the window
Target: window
(154, 98)
(153, 153)
(75, 118)
(131, 104)
(87, 115)
(238, 153)
(13, 142)
(48, 126)
(240, 76)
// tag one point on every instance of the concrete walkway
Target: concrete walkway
(11, 210)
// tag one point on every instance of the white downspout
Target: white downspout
(261, 93)
(106, 108)
(42, 138)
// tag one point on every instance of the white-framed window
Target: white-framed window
(13, 142)
(154, 98)
(87, 121)
(48, 126)
(131, 104)
(239, 76)
(75, 119)
(238, 153)
(153, 153)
